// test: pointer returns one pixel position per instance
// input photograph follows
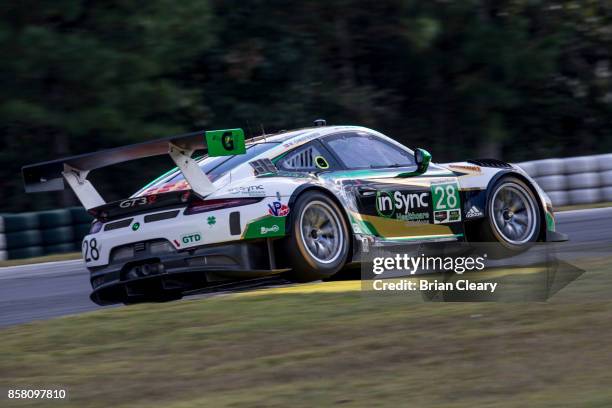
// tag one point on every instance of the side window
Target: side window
(363, 150)
(310, 157)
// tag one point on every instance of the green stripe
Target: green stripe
(550, 222)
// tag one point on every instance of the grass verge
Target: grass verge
(583, 206)
(321, 345)
(40, 259)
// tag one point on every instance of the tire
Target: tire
(605, 178)
(80, 215)
(558, 198)
(583, 181)
(550, 167)
(312, 256)
(59, 235)
(606, 194)
(552, 183)
(29, 252)
(23, 239)
(585, 196)
(530, 168)
(61, 248)
(582, 164)
(54, 218)
(604, 162)
(522, 231)
(80, 230)
(19, 222)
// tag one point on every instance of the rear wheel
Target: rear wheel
(513, 216)
(319, 245)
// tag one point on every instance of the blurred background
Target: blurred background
(512, 79)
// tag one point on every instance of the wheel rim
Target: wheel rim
(513, 213)
(321, 232)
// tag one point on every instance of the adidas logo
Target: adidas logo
(473, 212)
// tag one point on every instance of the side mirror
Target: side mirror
(422, 159)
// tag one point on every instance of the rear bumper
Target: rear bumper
(146, 275)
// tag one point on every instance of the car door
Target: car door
(391, 200)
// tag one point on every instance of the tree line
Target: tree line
(512, 79)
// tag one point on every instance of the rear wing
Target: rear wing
(50, 175)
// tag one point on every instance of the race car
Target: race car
(301, 203)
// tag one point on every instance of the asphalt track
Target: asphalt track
(43, 291)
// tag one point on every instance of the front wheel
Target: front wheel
(513, 216)
(319, 244)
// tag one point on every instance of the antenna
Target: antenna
(263, 132)
(250, 131)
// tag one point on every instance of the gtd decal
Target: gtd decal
(278, 209)
(388, 203)
(191, 238)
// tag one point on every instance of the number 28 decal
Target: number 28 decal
(91, 251)
(445, 196)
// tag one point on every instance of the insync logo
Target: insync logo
(388, 203)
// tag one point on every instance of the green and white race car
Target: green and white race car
(302, 203)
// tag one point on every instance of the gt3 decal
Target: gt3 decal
(133, 202)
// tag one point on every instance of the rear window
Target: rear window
(214, 167)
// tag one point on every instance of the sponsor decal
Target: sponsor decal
(321, 163)
(191, 238)
(266, 227)
(397, 203)
(440, 216)
(266, 230)
(473, 212)
(253, 191)
(135, 226)
(168, 187)
(454, 215)
(414, 217)
(225, 142)
(212, 220)
(278, 209)
(465, 167)
(300, 139)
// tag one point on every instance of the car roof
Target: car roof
(286, 135)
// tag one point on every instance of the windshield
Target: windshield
(361, 150)
(214, 167)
